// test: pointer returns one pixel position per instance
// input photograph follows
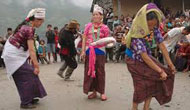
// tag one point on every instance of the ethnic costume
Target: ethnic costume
(94, 77)
(16, 57)
(146, 81)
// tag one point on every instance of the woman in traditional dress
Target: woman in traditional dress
(19, 48)
(94, 55)
(150, 78)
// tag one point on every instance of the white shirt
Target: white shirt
(187, 13)
(37, 44)
(110, 19)
(174, 35)
(188, 38)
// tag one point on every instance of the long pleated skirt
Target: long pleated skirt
(147, 82)
(28, 84)
(98, 83)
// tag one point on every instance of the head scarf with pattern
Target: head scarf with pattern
(139, 27)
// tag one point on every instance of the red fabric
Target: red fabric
(187, 51)
(80, 44)
(56, 39)
(64, 51)
(182, 49)
(162, 29)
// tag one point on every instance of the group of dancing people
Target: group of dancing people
(150, 77)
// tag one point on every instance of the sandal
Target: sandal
(92, 96)
(103, 97)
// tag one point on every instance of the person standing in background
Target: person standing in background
(9, 33)
(116, 22)
(187, 12)
(36, 45)
(118, 35)
(78, 43)
(50, 42)
(56, 32)
(110, 19)
(2, 42)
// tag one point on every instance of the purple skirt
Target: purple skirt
(28, 84)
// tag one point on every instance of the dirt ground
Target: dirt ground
(69, 95)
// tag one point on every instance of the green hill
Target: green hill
(59, 12)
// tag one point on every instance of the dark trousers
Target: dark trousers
(110, 25)
(172, 57)
(2, 64)
(38, 57)
(56, 54)
(70, 64)
(109, 53)
(98, 83)
(120, 53)
(70, 61)
(181, 63)
(43, 60)
(161, 58)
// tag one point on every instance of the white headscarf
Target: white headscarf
(37, 13)
(98, 9)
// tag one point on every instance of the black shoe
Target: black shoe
(35, 101)
(28, 106)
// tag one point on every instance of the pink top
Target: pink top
(104, 32)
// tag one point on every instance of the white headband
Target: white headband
(98, 9)
(37, 13)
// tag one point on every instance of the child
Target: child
(42, 50)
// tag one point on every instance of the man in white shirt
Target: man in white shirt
(109, 17)
(173, 37)
(186, 12)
